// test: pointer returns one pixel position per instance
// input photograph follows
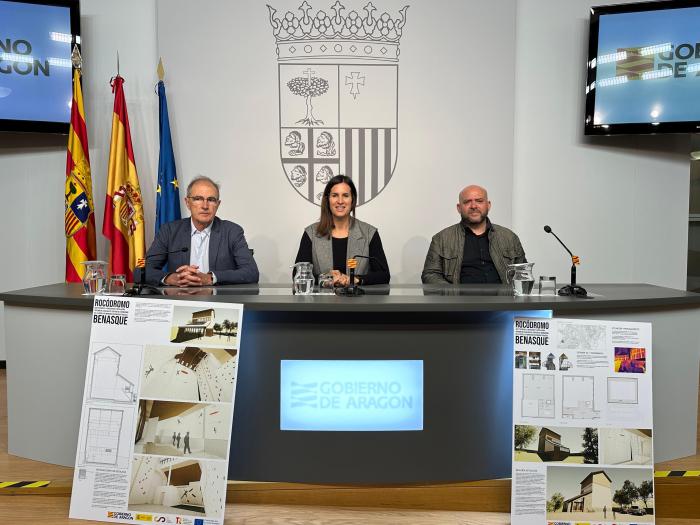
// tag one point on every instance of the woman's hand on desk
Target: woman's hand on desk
(339, 278)
(342, 280)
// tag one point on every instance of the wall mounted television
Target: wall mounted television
(36, 40)
(644, 68)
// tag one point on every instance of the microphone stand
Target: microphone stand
(351, 290)
(142, 288)
(571, 289)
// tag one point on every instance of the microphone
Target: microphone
(572, 289)
(351, 290)
(141, 286)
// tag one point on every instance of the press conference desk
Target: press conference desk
(462, 334)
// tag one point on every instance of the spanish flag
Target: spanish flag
(79, 206)
(123, 220)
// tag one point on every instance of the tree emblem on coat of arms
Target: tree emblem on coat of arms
(338, 96)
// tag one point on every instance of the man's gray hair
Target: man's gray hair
(203, 178)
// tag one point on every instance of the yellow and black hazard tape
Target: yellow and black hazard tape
(23, 484)
(676, 473)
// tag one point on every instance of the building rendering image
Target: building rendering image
(564, 362)
(626, 446)
(176, 486)
(556, 444)
(595, 495)
(207, 325)
(619, 495)
(172, 428)
(549, 446)
(189, 373)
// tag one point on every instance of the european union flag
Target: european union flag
(167, 192)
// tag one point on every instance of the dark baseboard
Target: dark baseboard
(3, 365)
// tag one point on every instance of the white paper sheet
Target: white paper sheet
(157, 411)
(582, 422)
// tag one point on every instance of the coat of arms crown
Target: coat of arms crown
(340, 35)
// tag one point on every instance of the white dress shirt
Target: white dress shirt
(199, 249)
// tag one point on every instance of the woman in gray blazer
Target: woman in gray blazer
(339, 236)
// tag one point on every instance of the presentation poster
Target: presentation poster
(583, 448)
(157, 412)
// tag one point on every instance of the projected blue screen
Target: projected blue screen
(351, 395)
(648, 67)
(35, 67)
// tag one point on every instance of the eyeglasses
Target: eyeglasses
(200, 200)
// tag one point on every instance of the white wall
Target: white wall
(620, 203)
(32, 167)
(455, 120)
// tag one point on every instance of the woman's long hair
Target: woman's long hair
(325, 224)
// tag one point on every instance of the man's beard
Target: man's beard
(474, 222)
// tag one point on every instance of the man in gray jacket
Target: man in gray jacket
(475, 250)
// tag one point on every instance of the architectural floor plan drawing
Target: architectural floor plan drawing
(107, 378)
(578, 398)
(103, 431)
(538, 395)
(623, 390)
(572, 336)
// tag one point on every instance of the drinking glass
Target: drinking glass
(117, 284)
(325, 283)
(520, 277)
(548, 285)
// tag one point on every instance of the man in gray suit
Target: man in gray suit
(475, 250)
(216, 250)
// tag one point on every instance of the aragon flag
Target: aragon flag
(167, 192)
(123, 220)
(79, 206)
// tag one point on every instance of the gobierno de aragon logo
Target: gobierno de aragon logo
(120, 515)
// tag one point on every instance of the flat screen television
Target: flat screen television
(36, 40)
(644, 68)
